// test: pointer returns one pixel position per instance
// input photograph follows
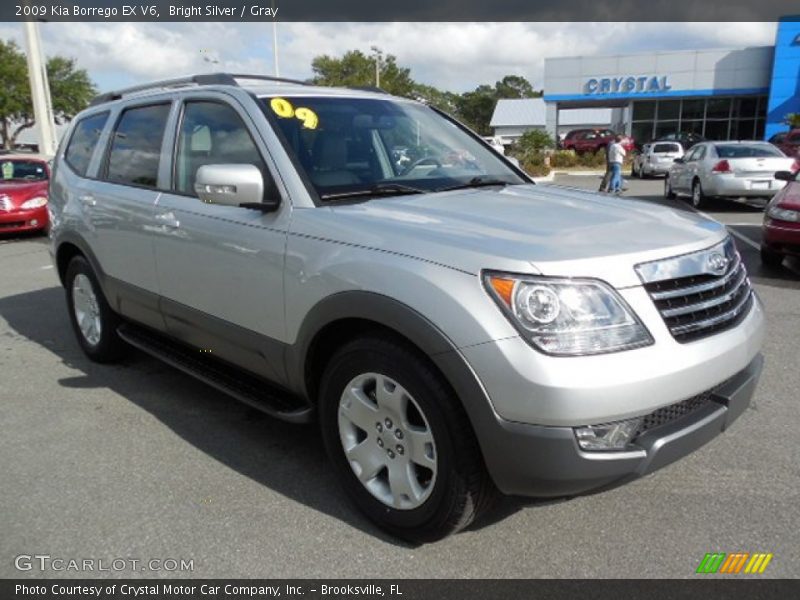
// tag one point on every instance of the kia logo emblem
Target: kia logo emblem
(717, 263)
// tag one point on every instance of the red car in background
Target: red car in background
(593, 140)
(781, 230)
(789, 142)
(24, 183)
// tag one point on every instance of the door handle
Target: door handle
(167, 219)
(87, 200)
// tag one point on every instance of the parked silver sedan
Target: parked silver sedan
(656, 158)
(743, 171)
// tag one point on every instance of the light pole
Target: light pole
(378, 53)
(40, 90)
(275, 42)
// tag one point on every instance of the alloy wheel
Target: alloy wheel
(87, 309)
(387, 441)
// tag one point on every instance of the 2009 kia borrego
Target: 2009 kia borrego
(455, 329)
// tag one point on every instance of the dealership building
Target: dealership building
(721, 94)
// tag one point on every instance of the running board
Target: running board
(251, 390)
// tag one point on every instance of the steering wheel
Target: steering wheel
(421, 161)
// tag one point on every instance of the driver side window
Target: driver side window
(213, 133)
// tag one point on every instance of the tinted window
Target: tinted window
(136, 146)
(84, 141)
(213, 133)
(665, 148)
(747, 151)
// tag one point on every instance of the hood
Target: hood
(544, 229)
(18, 192)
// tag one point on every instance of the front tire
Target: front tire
(93, 321)
(400, 442)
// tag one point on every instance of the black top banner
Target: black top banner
(407, 10)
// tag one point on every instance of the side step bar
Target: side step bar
(251, 390)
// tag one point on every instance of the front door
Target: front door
(220, 268)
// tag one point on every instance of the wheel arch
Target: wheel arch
(346, 315)
(68, 247)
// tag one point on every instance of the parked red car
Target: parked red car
(781, 230)
(592, 140)
(24, 183)
(789, 142)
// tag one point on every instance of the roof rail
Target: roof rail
(201, 79)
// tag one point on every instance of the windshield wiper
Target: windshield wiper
(379, 189)
(476, 182)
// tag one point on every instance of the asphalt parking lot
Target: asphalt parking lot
(139, 461)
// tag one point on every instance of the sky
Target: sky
(452, 56)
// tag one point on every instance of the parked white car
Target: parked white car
(742, 171)
(656, 158)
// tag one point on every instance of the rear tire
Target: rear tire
(93, 321)
(699, 199)
(669, 193)
(423, 483)
(770, 258)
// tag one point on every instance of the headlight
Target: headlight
(37, 202)
(567, 317)
(783, 214)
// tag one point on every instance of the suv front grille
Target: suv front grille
(695, 302)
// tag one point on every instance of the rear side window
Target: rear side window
(84, 141)
(136, 146)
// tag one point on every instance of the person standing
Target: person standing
(616, 154)
(606, 181)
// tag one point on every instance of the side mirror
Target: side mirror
(784, 175)
(680, 161)
(233, 185)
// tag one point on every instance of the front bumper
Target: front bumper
(17, 221)
(532, 460)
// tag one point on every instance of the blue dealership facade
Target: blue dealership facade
(731, 93)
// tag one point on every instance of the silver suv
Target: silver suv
(364, 261)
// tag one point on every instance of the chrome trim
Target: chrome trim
(703, 287)
(724, 317)
(690, 308)
(687, 265)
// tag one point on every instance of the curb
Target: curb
(552, 175)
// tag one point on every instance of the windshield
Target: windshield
(360, 146)
(747, 151)
(22, 170)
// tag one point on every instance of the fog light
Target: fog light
(34, 222)
(610, 436)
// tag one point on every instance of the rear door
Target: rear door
(122, 202)
(220, 268)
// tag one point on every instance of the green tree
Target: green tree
(356, 69)
(535, 140)
(514, 86)
(792, 120)
(70, 91)
(475, 108)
